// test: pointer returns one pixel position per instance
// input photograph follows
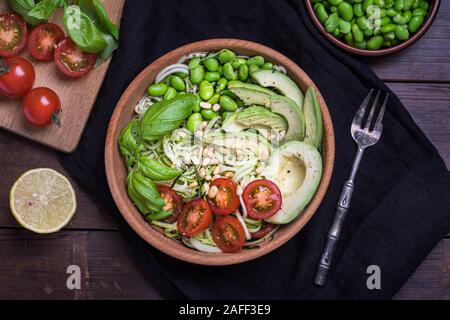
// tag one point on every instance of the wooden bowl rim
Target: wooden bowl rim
(376, 53)
(157, 239)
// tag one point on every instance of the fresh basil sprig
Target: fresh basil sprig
(165, 116)
(34, 12)
(144, 194)
(156, 170)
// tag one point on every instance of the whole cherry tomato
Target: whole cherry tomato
(42, 107)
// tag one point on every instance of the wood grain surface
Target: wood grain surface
(77, 96)
(24, 272)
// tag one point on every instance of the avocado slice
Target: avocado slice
(313, 119)
(231, 125)
(296, 168)
(281, 82)
(256, 142)
(254, 94)
(257, 115)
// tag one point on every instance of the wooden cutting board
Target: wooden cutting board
(77, 95)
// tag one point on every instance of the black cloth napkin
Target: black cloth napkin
(400, 207)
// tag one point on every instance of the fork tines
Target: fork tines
(360, 115)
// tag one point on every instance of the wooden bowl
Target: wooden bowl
(116, 170)
(434, 7)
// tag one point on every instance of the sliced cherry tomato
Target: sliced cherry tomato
(17, 77)
(42, 107)
(228, 234)
(43, 40)
(173, 201)
(71, 61)
(262, 198)
(195, 217)
(226, 201)
(13, 35)
(266, 228)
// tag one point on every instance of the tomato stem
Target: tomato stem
(3, 67)
(56, 118)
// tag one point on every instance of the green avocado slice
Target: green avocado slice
(296, 168)
(313, 119)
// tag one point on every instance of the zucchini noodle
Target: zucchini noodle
(171, 69)
(255, 243)
(248, 236)
(144, 104)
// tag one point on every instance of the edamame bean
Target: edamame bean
(225, 114)
(243, 72)
(211, 64)
(256, 60)
(358, 10)
(415, 23)
(345, 26)
(238, 62)
(268, 66)
(221, 85)
(170, 94)
(197, 74)
(334, 2)
(228, 104)
(206, 90)
(228, 72)
(357, 33)
(253, 68)
(208, 114)
(321, 12)
(226, 56)
(194, 122)
(214, 99)
(388, 28)
(332, 23)
(177, 83)
(193, 63)
(401, 32)
(212, 76)
(345, 11)
(157, 89)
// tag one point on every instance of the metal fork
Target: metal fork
(365, 135)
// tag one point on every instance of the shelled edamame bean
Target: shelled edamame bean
(371, 24)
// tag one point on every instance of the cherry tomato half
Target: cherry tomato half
(228, 234)
(13, 35)
(226, 201)
(266, 228)
(71, 61)
(43, 39)
(42, 107)
(195, 217)
(262, 198)
(173, 201)
(17, 77)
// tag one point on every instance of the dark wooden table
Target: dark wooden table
(34, 266)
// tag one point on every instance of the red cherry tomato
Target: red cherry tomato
(42, 107)
(43, 40)
(173, 201)
(195, 217)
(228, 234)
(226, 201)
(17, 77)
(262, 198)
(266, 228)
(71, 61)
(13, 35)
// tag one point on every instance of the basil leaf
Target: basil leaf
(97, 12)
(156, 170)
(158, 215)
(144, 194)
(22, 7)
(111, 46)
(43, 10)
(129, 139)
(165, 116)
(83, 31)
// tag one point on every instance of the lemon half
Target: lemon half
(43, 200)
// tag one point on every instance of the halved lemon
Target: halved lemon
(43, 200)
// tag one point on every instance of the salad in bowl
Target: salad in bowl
(223, 150)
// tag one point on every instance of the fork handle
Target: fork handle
(334, 233)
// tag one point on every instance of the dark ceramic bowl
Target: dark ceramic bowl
(434, 7)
